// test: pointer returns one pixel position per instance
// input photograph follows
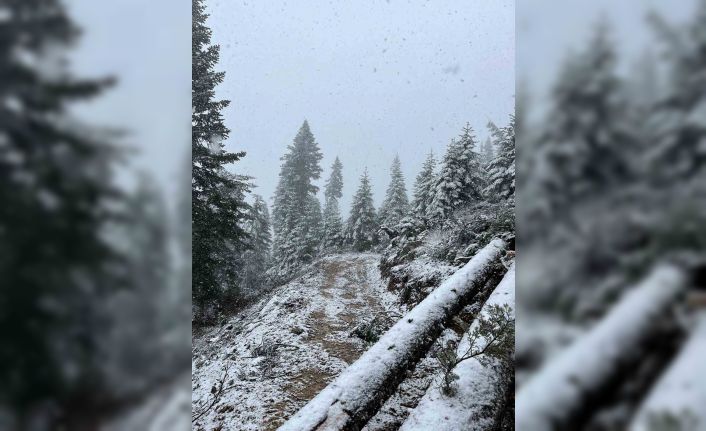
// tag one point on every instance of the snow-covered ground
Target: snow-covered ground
(167, 409)
(679, 397)
(282, 351)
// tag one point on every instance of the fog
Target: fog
(373, 80)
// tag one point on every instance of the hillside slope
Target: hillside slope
(267, 362)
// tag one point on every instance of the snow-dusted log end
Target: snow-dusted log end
(552, 397)
(680, 394)
(469, 408)
(350, 400)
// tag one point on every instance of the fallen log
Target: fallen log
(679, 397)
(473, 406)
(353, 397)
(559, 395)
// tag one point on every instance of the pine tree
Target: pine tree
(424, 187)
(460, 180)
(501, 170)
(256, 260)
(332, 223)
(677, 152)
(143, 311)
(361, 228)
(296, 211)
(57, 202)
(487, 152)
(588, 144)
(218, 203)
(396, 205)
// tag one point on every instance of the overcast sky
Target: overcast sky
(146, 45)
(547, 30)
(373, 79)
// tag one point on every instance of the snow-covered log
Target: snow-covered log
(558, 394)
(354, 397)
(471, 408)
(680, 394)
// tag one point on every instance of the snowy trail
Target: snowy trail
(309, 321)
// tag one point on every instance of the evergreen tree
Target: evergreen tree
(361, 228)
(501, 170)
(677, 152)
(218, 203)
(424, 187)
(334, 184)
(256, 260)
(333, 225)
(487, 152)
(57, 199)
(460, 180)
(142, 311)
(588, 144)
(296, 211)
(396, 205)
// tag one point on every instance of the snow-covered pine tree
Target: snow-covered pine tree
(361, 228)
(487, 152)
(501, 170)
(332, 222)
(424, 187)
(678, 151)
(57, 202)
(396, 205)
(256, 260)
(460, 180)
(218, 205)
(313, 228)
(296, 211)
(589, 143)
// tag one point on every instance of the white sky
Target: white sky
(146, 45)
(548, 29)
(372, 78)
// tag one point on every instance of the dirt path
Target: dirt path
(304, 329)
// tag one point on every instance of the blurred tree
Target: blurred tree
(588, 142)
(57, 202)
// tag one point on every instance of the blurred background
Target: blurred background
(95, 216)
(611, 205)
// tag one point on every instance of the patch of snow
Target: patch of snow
(476, 383)
(681, 391)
